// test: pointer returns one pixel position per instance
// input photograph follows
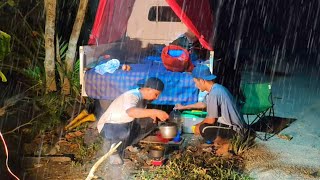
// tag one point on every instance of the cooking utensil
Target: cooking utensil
(156, 151)
(168, 130)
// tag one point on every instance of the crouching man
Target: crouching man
(127, 118)
(224, 119)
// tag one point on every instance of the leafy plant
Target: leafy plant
(75, 78)
(61, 68)
(241, 143)
(86, 152)
(4, 50)
(36, 76)
(9, 2)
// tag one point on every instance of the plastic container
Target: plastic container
(175, 52)
(191, 118)
(175, 117)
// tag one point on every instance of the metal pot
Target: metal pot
(156, 151)
(168, 130)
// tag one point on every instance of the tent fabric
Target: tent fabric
(112, 17)
(111, 21)
(198, 17)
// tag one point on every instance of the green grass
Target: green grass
(240, 143)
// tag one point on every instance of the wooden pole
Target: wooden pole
(97, 164)
(211, 59)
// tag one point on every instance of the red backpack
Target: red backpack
(176, 59)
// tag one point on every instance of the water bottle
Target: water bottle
(175, 116)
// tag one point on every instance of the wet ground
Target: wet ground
(296, 96)
(55, 168)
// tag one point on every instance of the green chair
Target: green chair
(258, 102)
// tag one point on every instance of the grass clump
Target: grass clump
(241, 143)
(190, 165)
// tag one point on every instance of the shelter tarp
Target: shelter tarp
(197, 16)
(112, 17)
(111, 21)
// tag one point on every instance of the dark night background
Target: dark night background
(292, 25)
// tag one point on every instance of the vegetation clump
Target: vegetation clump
(190, 165)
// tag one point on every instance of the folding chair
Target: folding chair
(258, 102)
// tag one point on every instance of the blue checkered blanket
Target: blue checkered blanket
(179, 87)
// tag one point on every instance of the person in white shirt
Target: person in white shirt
(127, 118)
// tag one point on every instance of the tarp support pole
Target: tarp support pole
(211, 58)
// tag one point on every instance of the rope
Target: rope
(7, 154)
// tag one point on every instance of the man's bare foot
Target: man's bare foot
(223, 150)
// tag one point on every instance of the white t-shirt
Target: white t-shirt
(116, 113)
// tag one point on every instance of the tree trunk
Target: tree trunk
(49, 62)
(70, 55)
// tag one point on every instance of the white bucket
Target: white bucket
(189, 121)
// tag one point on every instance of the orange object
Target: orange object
(124, 67)
(128, 68)
(90, 118)
(176, 64)
(83, 114)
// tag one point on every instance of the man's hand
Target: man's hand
(205, 121)
(198, 105)
(197, 129)
(161, 115)
(178, 106)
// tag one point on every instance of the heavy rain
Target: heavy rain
(159, 89)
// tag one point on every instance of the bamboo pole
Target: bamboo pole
(211, 59)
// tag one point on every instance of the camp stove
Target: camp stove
(158, 161)
(156, 152)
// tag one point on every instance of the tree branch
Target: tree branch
(25, 124)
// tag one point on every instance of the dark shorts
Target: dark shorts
(210, 132)
(129, 133)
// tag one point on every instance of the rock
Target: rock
(91, 136)
(285, 137)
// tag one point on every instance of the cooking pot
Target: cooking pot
(168, 130)
(156, 151)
